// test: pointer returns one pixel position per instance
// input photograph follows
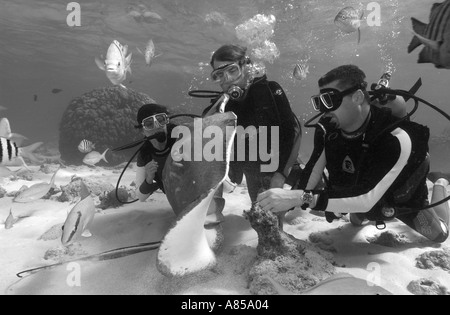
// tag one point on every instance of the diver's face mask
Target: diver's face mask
(227, 73)
(156, 121)
(331, 99)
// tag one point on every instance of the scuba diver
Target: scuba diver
(377, 163)
(153, 119)
(256, 102)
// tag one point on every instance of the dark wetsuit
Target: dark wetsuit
(265, 105)
(363, 182)
(147, 154)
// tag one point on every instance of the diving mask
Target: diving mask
(227, 73)
(331, 99)
(155, 121)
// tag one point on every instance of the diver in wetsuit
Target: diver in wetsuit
(153, 119)
(257, 102)
(377, 165)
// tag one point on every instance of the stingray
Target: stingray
(191, 184)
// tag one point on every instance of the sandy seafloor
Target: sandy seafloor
(21, 247)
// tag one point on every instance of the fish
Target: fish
(338, 284)
(10, 220)
(5, 132)
(56, 91)
(300, 71)
(11, 153)
(80, 218)
(117, 63)
(348, 21)
(35, 97)
(94, 157)
(149, 53)
(190, 188)
(6, 172)
(36, 191)
(86, 146)
(435, 36)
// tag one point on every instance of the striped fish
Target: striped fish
(11, 154)
(86, 146)
(435, 36)
(5, 132)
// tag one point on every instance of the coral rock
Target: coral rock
(434, 259)
(295, 264)
(427, 287)
(104, 116)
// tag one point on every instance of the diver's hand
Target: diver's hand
(278, 200)
(150, 170)
(277, 180)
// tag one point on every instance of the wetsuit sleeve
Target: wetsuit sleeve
(143, 189)
(312, 174)
(289, 129)
(390, 156)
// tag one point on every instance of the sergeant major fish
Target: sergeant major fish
(149, 52)
(5, 132)
(117, 63)
(348, 21)
(94, 157)
(80, 217)
(86, 146)
(36, 191)
(10, 153)
(435, 36)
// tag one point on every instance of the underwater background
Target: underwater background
(45, 63)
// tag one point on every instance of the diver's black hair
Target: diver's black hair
(232, 53)
(347, 77)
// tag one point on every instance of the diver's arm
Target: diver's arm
(144, 186)
(390, 158)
